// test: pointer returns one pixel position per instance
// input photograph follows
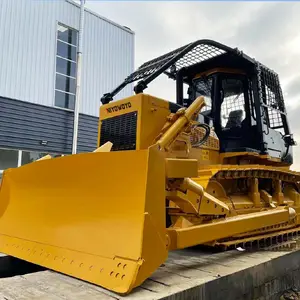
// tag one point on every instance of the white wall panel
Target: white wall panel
(28, 49)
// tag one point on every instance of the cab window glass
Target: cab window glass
(233, 103)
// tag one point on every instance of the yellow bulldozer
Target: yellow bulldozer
(212, 168)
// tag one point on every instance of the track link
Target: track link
(257, 171)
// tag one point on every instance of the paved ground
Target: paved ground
(186, 271)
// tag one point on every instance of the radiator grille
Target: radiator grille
(121, 131)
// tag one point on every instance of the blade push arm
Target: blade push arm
(200, 234)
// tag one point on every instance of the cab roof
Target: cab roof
(189, 59)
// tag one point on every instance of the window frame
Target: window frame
(63, 108)
(67, 92)
(70, 59)
(69, 27)
(57, 24)
(19, 159)
(228, 101)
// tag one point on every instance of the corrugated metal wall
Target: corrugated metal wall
(24, 125)
(28, 49)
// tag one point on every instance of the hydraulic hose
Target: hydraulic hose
(206, 135)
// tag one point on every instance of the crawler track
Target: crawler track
(268, 236)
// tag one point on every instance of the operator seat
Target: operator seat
(231, 135)
(235, 119)
(233, 128)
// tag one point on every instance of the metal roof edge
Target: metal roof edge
(102, 18)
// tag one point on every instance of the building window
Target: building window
(17, 158)
(65, 81)
(29, 156)
(8, 159)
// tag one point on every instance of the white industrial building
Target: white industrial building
(39, 41)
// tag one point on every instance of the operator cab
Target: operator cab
(244, 100)
(236, 89)
(229, 110)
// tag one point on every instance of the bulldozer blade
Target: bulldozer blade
(98, 216)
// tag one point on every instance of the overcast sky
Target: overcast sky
(268, 31)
